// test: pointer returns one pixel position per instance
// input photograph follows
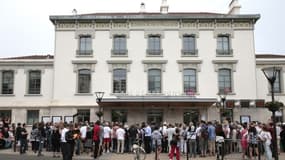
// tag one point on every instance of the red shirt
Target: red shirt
(96, 133)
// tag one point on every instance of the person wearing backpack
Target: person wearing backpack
(212, 138)
(174, 145)
(203, 138)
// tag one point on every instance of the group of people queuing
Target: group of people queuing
(175, 139)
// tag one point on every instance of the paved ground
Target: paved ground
(8, 154)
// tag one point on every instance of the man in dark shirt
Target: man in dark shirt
(23, 139)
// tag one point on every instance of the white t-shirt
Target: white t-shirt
(83, 131)
(266, 137)
(62, 138)
(120, 134)
(170, 132)
(107, 132)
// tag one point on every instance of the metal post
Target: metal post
(275, 148)
(156, 150)
(187, 149)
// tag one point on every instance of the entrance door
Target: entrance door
(155, 116)
(226, 114)
(191, 116)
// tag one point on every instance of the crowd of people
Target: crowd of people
(194, 139)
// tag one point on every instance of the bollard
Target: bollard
(187, 149)
(155, 149)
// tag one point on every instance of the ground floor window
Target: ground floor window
(191, 116)
(5, 116)
(155, 117)
(226, 114)
(119, 115)
(32, 117)
(83, 115)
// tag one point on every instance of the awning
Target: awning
(157, 101)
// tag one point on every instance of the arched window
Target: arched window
(225, 80)
(119, 80)
(84, 81)
(154, 81)
(189, 81)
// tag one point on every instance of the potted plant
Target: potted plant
(274, 106)
(99, 113)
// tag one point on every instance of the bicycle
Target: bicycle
(139, 152)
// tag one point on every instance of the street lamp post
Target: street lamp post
(223, 96)
(99, 97)
(270, 74)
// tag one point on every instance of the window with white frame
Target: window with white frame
(7, 86)
(154, 81)
(154, 45)
(85, 45)
(225, 80)
(119, 45)
(34, 82)
(119, 80)
(223, 45)
(189, 45)
(189, 81)
(32, 117)
(84, 81)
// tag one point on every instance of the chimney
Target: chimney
(234, 7)
(142, 9)
(164, 7)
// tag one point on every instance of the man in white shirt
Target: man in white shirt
(121, 139)
(170, 131)
(107, 137)
(83, 132)
(64, 147)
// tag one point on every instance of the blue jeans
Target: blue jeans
(268, 153)
(23, 145)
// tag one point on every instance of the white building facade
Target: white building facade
(151, 67)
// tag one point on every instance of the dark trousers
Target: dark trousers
(114, 144)
(23, 145)
(96, 148)
(65, 149)
(164, 145)
(147, 141)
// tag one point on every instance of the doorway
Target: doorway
(192, 115)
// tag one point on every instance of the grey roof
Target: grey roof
(152, 16)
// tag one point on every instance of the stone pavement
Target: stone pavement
(113, 156)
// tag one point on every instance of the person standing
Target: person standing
(55, 140)
(175, 145)
(121, 139)
(156, 140)
(17, 135)
(212, 138)
(265, 137)
(70, 137)
(107, 137)
(96, 138)
(191, 137)
(23, 139)
(41, 137)
(64, 147)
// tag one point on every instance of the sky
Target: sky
(25, 28)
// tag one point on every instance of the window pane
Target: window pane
(34, 82)
(7, 82)
(154, 45)
(189, 44)
(84, 80)
(223, 44)
(119, 80)
(154, 81)
(83, 115)
(32, 116)
(85, 45)
(120, 45)
(225, 80)
(189, 80)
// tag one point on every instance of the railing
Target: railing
(232, 149)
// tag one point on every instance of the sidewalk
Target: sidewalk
(128, 156)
